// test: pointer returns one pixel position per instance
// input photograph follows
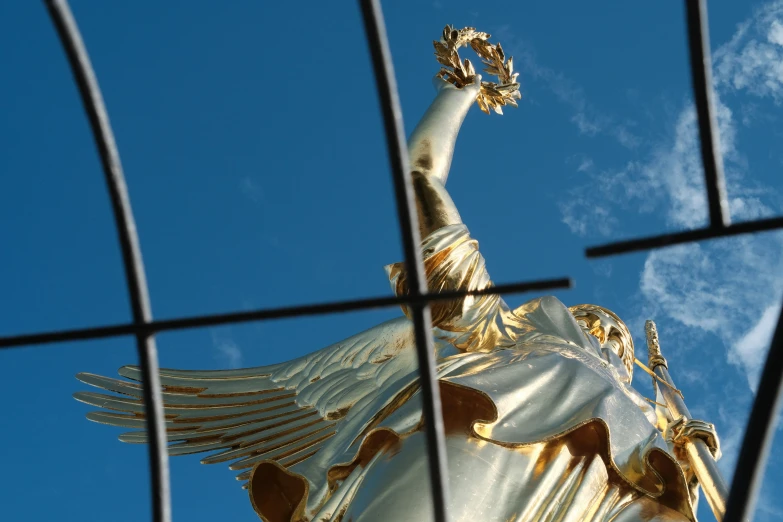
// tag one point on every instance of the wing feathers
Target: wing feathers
(315, 437)
(242, 414)
(216, 394)
(188, 411)
(284, 412)
(122, 420)
(269, 440)
(133, 372)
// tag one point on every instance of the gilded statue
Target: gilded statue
(541, 420)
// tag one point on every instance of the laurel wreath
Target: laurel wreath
(461, 73)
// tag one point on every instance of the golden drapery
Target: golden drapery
(539, 425)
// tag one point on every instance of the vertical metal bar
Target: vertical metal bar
(92, 99)
(759, 434)
(403, 187)
(701, 72)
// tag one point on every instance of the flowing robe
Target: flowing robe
(538, 424)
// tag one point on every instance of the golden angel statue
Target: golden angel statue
(541, 420)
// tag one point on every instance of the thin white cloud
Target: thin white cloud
(672, 178)
(751, 349)
(585, 216)
(587, 119)
(585, 165)
(231, 354)
(752, 60)
(250, 188)
(775, 34)
(625, 137)
(585, 125)
(228, 353)
(730, 288)
(602, 268)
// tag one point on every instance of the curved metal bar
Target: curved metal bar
(92, 99)
(378, 43)
(759, 434)
(199, 321)
(701, 71)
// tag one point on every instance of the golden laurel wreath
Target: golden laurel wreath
(461, 73)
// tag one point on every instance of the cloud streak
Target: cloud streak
(752, 60)
(588, 120)
(228, 353)
(730, 288)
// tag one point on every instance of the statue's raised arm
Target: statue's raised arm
(431, 148)
(452, 260)
(458, 87)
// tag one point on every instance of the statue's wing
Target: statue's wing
(284, 412)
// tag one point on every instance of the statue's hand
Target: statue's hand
(441, 84)
(682, 430)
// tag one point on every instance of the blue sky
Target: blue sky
(251, 139)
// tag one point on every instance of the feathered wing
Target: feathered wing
(284, 412)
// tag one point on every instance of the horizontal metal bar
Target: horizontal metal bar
(91, 96)
(759, 434)
(709, 135)
(648, 243)
(117, 330)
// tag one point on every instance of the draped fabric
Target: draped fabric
(539, 425)
(556, 480)
(452, 261)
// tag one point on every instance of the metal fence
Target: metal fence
(760, 429)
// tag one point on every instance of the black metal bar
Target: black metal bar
(200, 321)
(406, 212)
(87, 83)
(664, 240)
(758, 435)
(701, 71)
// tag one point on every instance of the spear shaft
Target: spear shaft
(698, 453)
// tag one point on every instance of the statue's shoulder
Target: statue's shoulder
(549, 316)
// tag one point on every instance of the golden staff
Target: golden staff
(699, 455)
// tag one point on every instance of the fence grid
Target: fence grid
(760, 429)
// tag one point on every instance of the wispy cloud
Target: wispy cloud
(584, 216)
(588, 120)
(585, 125)
(750, 349)
(585, 165)
(227, 352)
(251, 189)
(254, 191)
(730, 288)
(752, 60)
